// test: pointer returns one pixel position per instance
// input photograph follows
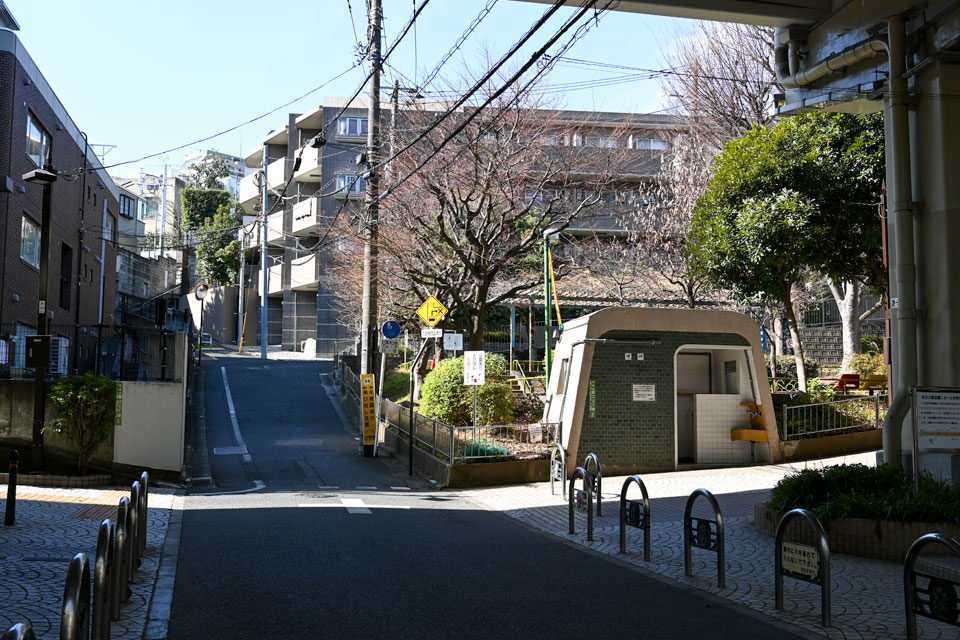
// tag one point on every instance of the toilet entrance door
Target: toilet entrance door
(693, 377)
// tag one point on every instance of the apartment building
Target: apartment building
(37, 133)
(331, 137)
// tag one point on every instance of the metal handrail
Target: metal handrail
(912, 603)
(596, 481)
(19, 631)
(555, 448)
(816, 412)
(101, 582)
(580, 472)
(690, 541)
(645, 525)
(75, 614)
(823, 575)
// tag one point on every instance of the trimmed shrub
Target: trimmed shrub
(481, 447)
(83, 410)
(787, 367)
(445, 397)
(873, 493)
(867, 364)
(819, 391)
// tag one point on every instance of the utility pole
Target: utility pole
(163, 208)
(369, 305)
(264, 268)
(240, 300)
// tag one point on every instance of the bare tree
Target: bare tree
(723, 75)
(466, 226)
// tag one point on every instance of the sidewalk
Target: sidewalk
(52, 526)
(867, 595)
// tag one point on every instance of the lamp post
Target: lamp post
(548, 233)
(199, 292)
(45, 178)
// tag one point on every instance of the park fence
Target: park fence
(462, 444)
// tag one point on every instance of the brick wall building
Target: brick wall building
(36, 132)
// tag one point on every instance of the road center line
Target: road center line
(365, 508)
(233, 417)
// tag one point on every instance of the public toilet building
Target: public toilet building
(661, 389)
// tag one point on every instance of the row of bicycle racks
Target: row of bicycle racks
(936, 599)
(120, 547)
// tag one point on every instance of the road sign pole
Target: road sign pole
(474, 405)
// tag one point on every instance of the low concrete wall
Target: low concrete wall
(879, 539)
(832, 446)
(492, 474)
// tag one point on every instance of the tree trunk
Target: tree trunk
(847, 297)
(774, 340)
(797, 344)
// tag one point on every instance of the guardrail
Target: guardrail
(582, 499)
(836, 416)
(937, 599)
(803, 562)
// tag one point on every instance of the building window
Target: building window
(110, 228)
(38, 142)
(30, 242)
(128, 206)
(348, 184)
(655, 144)
(352, 127)
(66, 260)
(606, 142)
(20, 348)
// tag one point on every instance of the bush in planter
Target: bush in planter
(481, 447)
(445, 397)
(527, 408)
(83, 410)
(873, 493)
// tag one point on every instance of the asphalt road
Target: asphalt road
(308, 539)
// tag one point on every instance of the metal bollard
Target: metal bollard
(101, 582)
(142, 534)
(118, 570)
(10, 515)
(75, 615)
(595, 479)
(19, 631)
(129, 555)
(637, 515)
(578, 496)
(134, 530)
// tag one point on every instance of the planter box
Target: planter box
(832, 446)
(67, 482)
(476, 474)
(879, 539)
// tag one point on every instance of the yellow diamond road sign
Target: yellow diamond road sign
(432, 311)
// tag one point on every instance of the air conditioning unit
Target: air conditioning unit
(59, 356)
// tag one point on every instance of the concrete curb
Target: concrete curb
(161, 601)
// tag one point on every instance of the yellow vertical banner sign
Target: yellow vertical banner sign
(368, 405)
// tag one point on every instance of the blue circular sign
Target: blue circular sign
(391, 329)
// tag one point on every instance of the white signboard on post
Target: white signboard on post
(473, 363)
(937, 418)
(453, 341)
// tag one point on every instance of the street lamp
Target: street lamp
(199, 292)
(45, 178)
(548, 234)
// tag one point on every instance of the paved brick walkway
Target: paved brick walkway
(867, 595)
(53, 525)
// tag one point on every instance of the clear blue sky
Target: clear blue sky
(147, 76)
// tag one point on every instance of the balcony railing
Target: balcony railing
(303, 273)
(306, 217)
(274, 231)
(310, 165)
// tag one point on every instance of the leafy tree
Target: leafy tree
(83, 410)
(218, 251)
(446, 398)
(795, 196)
(200, 205)
(209, 172)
